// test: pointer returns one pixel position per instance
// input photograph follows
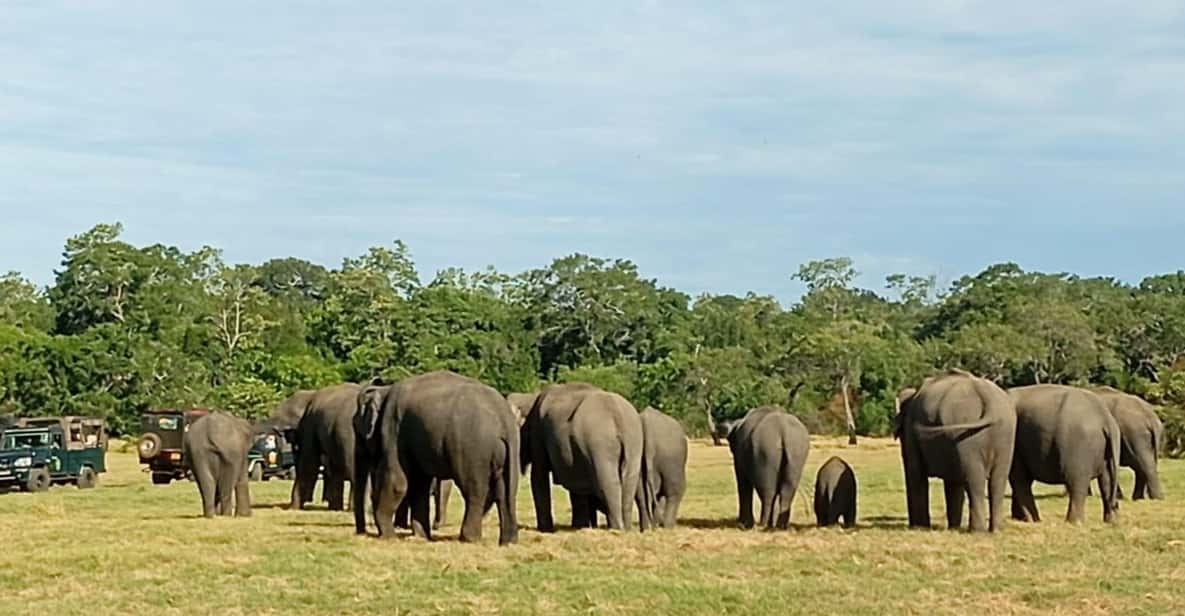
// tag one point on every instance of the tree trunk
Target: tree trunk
(847, 409)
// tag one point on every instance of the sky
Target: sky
(717, 147)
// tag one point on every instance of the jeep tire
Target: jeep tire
(257, 471)
(149, 446)
(161, 479)
(39, 480)
(87, 478)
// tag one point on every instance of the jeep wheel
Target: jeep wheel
(257, 471)
(161, 479)
(87, 478)
(149, 446)
(39, 480)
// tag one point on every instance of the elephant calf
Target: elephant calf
(1064, 435)
(769, 449)
(835, 494)
(215, 450)
(664, 468)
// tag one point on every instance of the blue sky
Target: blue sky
(718, 148)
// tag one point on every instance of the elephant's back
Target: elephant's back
(220, 433)
(956, 399)
(663, 435)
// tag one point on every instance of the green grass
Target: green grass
(130, 547)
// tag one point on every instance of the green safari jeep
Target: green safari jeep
(271, 455)
(37, 453)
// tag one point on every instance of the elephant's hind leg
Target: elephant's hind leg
(475, 507)
(977, 491)
(610, 491)
(1077, 509)
(208, 488)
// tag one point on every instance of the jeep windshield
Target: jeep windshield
(266, 442)
(26, 440)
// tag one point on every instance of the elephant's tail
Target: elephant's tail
(1111, 455)
(510, 474)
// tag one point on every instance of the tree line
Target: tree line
(127, 328)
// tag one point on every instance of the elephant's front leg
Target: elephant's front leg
(541, 491)
(419, 494)
(744, 501)
(443, 490)
(584, 511)
(335, 489)
(955, 500)
(917, 487)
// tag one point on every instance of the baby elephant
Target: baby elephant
(835, 494)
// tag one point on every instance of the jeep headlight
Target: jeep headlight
(23, 463)
(271, 458)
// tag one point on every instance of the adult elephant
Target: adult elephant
(664, 467)
(1064, 436)
(324, 437)
(961, 429)
(1142, 434)
(436, 426)
(215, 450)
(590, 441)
(769, 450)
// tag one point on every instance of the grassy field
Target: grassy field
(130, 547)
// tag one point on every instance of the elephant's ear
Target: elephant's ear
(731, 433)
(369, 413)
(903, 401)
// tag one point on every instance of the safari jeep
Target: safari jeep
(271, 455)
(162, 433)
(37, 453)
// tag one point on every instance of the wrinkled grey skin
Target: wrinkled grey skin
(835, 494)
(442, 426)
(1064, 436)
(215, 449)
(288, 414)
(324, 436)
(1143, 434)
(590, 442)
(664, 468)
(522, 404)
(961, 429)
(769, 450)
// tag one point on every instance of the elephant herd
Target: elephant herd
(408, 444)
(979, 439)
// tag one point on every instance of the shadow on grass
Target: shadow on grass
(892, 522)
(709, 524)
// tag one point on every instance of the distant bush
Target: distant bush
(1174, 431)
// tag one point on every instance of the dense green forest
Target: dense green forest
(126, 328)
